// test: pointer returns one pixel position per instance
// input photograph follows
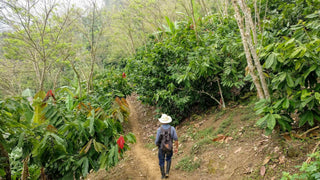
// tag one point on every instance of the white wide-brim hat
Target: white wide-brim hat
(165, 119)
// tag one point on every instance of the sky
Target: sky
(78, 3)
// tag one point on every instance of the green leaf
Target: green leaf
(69, 102)
(271, 60)
(291, 41)
(2, 172)
(61, 142)
(85, 166)
(316, 117)
(297, 65)
(271, 122)
(268, 131)
(262, 120)
(306, 101)
(306, 117)
(276, 116)
(282, 76)
(21, 139)
(296, 52)
(103, 160)
(68, 176)
(99, 147)
(289, 80)
(277, 104)
(312, 68)
(286, 104)
(284, 125)
(318, 70)
(305, 93)
(130, 138)
(314, 15)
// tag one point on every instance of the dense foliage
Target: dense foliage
(291, 55)
(180, 69)
(191, 63)
(310, 171)
(64, 135)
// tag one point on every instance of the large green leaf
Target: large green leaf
(286, 103)
(306, 117)
(85, 166)
(290, 81)
(271, 121)
(261, 121)
(312, 68)
(306, 101)
(272, 58)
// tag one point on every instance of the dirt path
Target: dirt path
(143, 156)
(140, 162)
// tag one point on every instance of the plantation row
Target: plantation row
(61, 136)
(189, 65)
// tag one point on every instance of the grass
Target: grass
(150, 146)
(201, 145)
(188, 163)
(225, 124)
(248, 113)
(220, 114)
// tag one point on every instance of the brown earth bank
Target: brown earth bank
(217, 144)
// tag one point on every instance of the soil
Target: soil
(221, 144)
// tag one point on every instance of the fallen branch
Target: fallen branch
(301, 135)
(313, 151)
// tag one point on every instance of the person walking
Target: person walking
(164, 140)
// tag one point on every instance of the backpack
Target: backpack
(166, 140)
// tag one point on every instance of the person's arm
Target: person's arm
(157, 138)
(176, 143)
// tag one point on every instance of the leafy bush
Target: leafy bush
(291, 58)
(308, 171)
(180, 71)
(66, 135)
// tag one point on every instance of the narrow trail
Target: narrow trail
(140, 162)
(144, 157)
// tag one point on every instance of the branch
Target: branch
(314, 150)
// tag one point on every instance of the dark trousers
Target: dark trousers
(164, 155)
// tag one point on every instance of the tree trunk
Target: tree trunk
(6, 163)
(252, 45)
(131, 39)
(255, 79)
(42, 174)
(193, 20)
(25, 169)
(92, 51)
(221, 95)
(78, 77)
(55, 81)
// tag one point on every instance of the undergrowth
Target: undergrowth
(188, 163)
(308, 171)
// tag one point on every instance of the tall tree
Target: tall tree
(248, 33)
(36, 37)
(92, 27)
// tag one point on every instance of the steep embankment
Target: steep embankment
(214, 145)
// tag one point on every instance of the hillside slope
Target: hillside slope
(218, 144)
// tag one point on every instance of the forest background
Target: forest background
(179, 56)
